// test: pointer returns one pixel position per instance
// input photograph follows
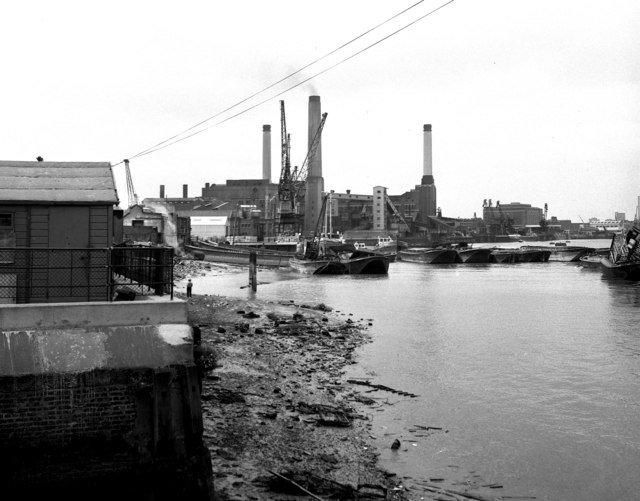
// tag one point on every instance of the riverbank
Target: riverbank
(277, 410)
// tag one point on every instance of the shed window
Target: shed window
(7, 237)
(6, 221)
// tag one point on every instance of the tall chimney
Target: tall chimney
(315, 182)
(266, 152)
(185, 191)
(427, 165)
(315, 117)
(162, 191)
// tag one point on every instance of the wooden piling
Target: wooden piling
(253, 259)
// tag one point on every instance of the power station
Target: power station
(261, 209)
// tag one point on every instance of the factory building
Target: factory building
(351, 212)
(251, 205)
(514, 214)
(260, 193)
(419, 204)
(383, 213)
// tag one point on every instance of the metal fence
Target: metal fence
(149, 269)
(43, 275)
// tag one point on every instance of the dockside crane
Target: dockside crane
(131, 192)
(394, 210)
(292, 184)
(299, 176)
(284, 185)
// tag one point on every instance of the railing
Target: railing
(43, 275)
(149, 269)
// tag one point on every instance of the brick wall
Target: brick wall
(57, 409)
(103, 428)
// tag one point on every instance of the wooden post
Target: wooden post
(253, 282)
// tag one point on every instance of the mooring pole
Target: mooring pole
(253, 282)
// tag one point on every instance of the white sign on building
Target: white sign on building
(208, 226)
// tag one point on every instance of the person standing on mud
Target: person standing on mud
(189, 287)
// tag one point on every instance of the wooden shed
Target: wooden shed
(66, 208)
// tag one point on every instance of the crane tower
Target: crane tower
(131, 192)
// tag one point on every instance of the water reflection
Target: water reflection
(624, 293)
(533, 370)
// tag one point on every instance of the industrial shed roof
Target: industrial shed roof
(57, 182)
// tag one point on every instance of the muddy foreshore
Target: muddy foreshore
(280, 418)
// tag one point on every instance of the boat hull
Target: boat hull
(479, 255)
(317, 266)
(590, 261)
(519, 256)
(504, 256)
(534, 256)
(566, 254)
(239, 257)
(627, 270)
(429, 256)
(367, 265)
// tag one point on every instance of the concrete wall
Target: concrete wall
(101, 396)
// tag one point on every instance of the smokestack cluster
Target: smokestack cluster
(266, 152)
(427, 163)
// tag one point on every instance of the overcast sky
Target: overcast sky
(530, 101)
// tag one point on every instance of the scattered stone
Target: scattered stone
(395, 444)
(254, 411)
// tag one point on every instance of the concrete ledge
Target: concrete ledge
(102, 314)
(52, 351)
(79, 337)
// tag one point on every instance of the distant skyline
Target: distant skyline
(531, 102)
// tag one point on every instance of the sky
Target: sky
(530, 101)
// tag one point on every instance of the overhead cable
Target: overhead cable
(177, 137)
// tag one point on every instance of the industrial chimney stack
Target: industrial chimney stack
(426, 191)
(315, 182)
(427, 163)
(266, 152)
(185, 191)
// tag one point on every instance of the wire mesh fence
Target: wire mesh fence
(41, 275)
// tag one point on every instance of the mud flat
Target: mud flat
(280, 419)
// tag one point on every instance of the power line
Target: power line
(176, 138)
(153, 148)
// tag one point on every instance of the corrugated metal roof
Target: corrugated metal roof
(57, 182)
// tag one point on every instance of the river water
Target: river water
(531, 370)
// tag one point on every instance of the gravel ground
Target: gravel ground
(280, 419)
